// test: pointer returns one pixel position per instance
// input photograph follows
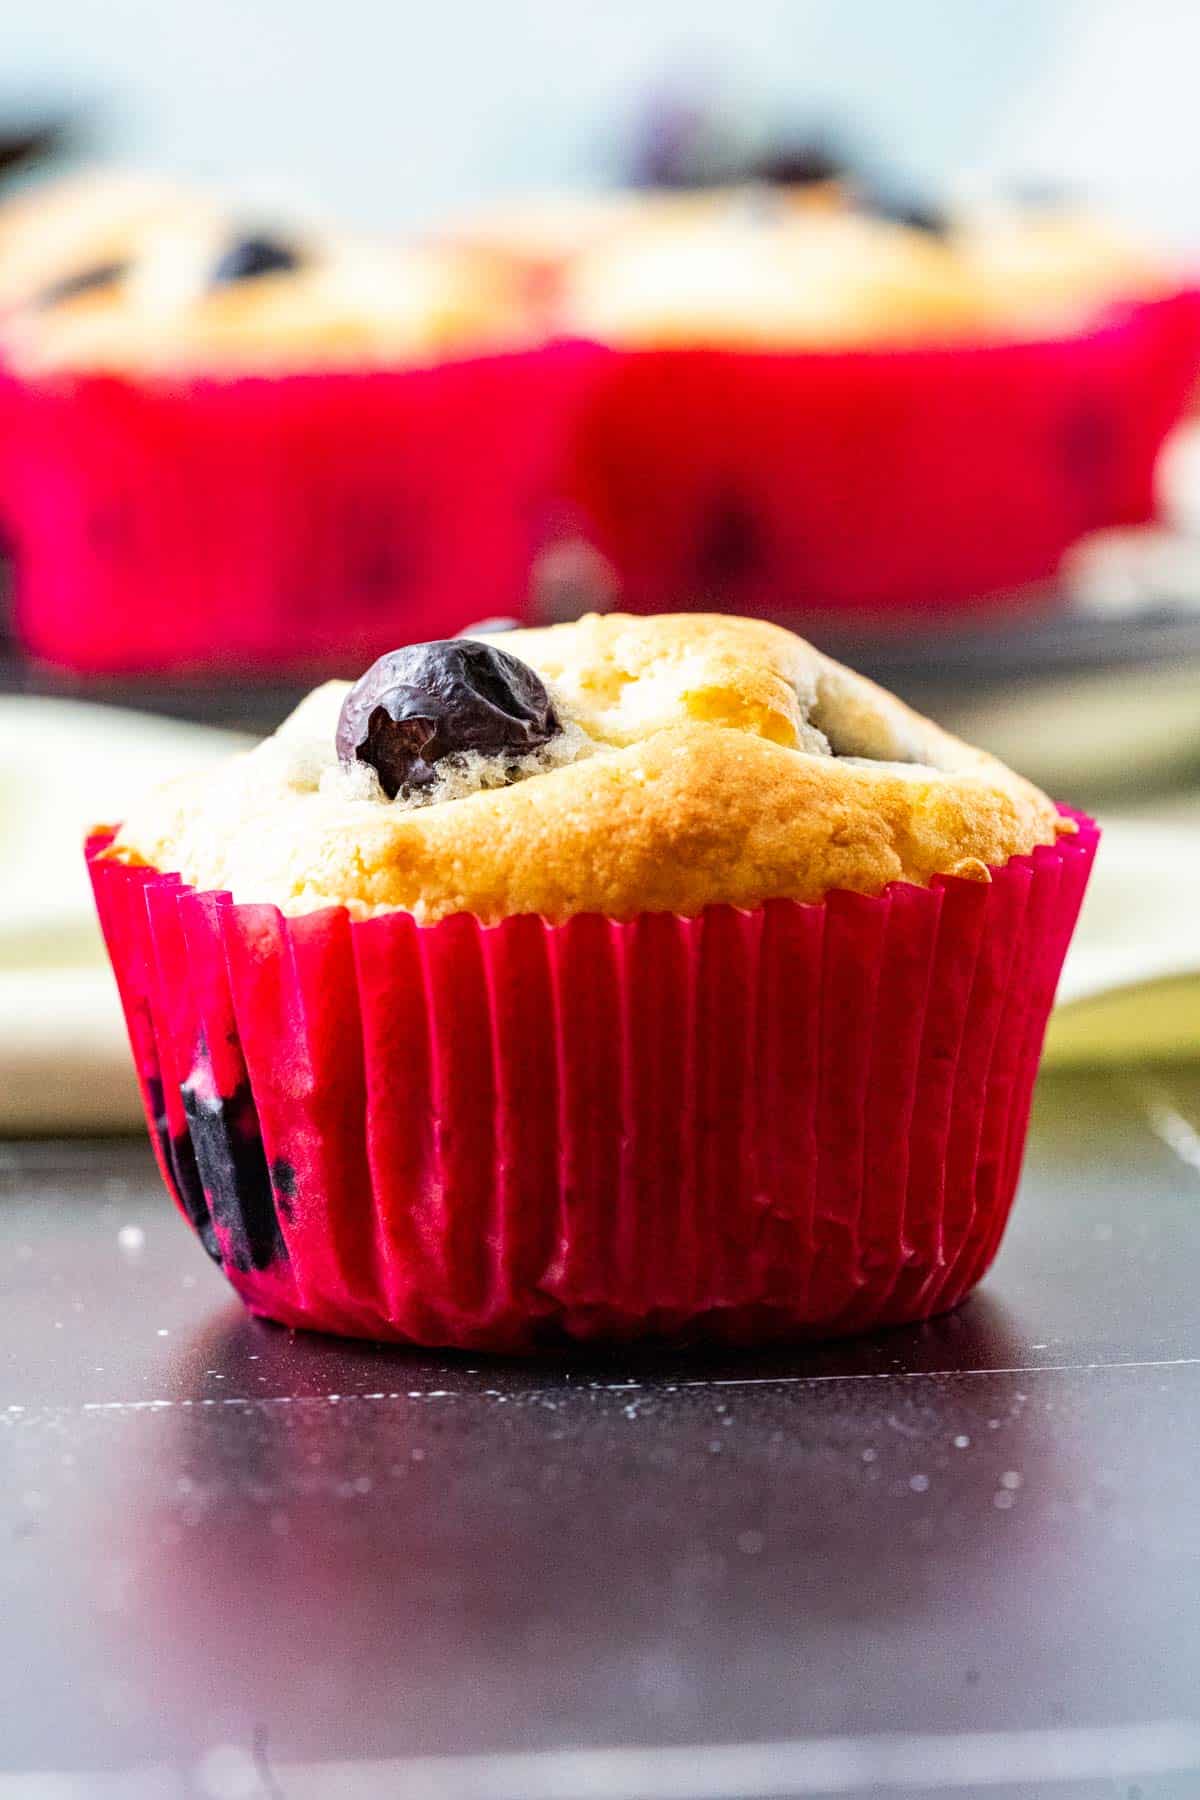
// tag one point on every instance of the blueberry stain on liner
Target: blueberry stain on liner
(425, 703)
(233, 1173)
(183, 1177)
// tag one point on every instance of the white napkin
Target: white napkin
(1130, 990)
(64, 766)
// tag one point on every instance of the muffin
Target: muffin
(795, 409)
(60, 240)
(631, 977)
(252, 450)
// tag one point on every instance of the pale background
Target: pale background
(390, 112)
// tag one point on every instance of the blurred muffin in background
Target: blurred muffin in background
(805, 393)
(873, 405)
(260, 449)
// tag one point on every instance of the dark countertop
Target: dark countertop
(960, 1559)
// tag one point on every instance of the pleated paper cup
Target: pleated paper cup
(283, 522)
(873, 481)
(795, 1121)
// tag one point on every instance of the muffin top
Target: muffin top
(210, 295)
(66, 233)
(125, 274)
(615, 765)
(1045, 264)
(761, 272)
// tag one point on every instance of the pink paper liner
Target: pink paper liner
(281, 524)
(909, 479)
(274, 523)
(800, 1120)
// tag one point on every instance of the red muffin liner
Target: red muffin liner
(283, 523)
(798, 1120)
(873, 481)
(277, 522)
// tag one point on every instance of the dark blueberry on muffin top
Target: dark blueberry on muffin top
(253, 256)
(82, 281)
(426, 702)
(800, 162)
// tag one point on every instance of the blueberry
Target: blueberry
(418, 705)
(253, 256)
(83, 281)
(800, 162)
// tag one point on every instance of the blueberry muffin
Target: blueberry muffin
(627, 978)
(798, 409)
(254, 449)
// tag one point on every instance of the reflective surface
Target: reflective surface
(961, 1558)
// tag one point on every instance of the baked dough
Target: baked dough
(709, 759)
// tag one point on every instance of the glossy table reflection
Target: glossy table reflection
(962, 1559)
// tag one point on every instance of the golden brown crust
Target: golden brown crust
(706, 777)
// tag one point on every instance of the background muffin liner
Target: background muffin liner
(799, 1120)
(910, 479)
(271, 522)
(276, 524)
